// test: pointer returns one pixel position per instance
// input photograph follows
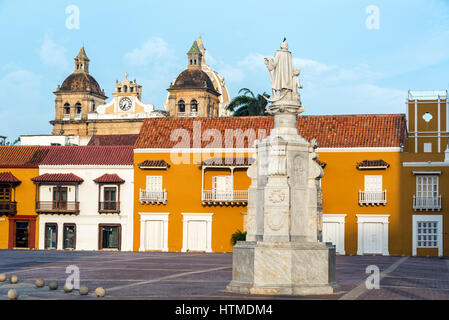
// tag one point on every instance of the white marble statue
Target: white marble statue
(281, 71)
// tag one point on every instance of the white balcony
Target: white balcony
(66, 117)
(78, 116)
(234, 197)
(182, 114)
(153, 197)
(193, 114)
(426, 203)
(372, 198)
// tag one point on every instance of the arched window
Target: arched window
(78, 108)
(181, 106)
(92, 109)
(67, 108)
(125, 89)
(194, 106)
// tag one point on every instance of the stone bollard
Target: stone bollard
(39, 283)
(14, 279)
(13, 294)
(100, 292)
(68, 289)
(84, 291)
(2, 277)
(53, 285)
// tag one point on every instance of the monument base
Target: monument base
(283, 268)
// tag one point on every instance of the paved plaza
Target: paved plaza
(196, 276)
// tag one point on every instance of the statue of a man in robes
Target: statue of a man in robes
(281, 71)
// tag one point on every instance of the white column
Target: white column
(416, 126)
(385, 239)
(360, 238)
(439, 124)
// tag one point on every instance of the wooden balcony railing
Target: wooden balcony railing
(153, 197)
(109, 207)
(372, 198)
(57, 207)
(8, 207)
(239, 197)
(426, 203)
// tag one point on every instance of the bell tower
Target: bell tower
(195, 56)
(82, 61)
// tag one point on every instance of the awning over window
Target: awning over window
(8, 177)
(109, 178)
(227, 162)
(57, 177)
(373, 165)
(154, 164)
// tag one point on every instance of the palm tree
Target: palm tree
(248, 104)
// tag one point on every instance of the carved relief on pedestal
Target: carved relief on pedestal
(278, 157)
(277, 196)
(277, 220)
(299, 170)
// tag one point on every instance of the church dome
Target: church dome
(81, 81)
(193, 78)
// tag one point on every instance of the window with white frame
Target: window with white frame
(373, 184)
(427, 186)
(428, 147)
(222, 187)
(427, 235)
(154, 183)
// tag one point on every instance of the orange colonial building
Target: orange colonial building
(425, 175)
(191, 193)
(18, 219)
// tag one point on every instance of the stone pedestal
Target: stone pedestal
(283, 268)
(283, 254)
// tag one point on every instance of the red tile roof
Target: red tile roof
(8, 177)
(339, 131)
(57, 177)
(21, 156)
(109, 178)
(113, 140)
(89, 155)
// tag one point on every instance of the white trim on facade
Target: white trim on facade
(340, 219)
(145, 217)
(427, 218)
(253, 150)
(111, 167)
(187, 217)
(372, 218)
(425, 164)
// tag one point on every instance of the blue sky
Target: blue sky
(347, 68)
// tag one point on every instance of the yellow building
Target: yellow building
(424, 176)
(18, 219)
(191, 183)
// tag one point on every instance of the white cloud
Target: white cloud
(153, 49)
(54, 55)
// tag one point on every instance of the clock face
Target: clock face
(125, 104)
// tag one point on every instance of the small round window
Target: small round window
(427, 117)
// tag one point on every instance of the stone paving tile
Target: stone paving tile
(416, 278)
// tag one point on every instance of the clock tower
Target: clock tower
(82, 110)
(78, 95)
